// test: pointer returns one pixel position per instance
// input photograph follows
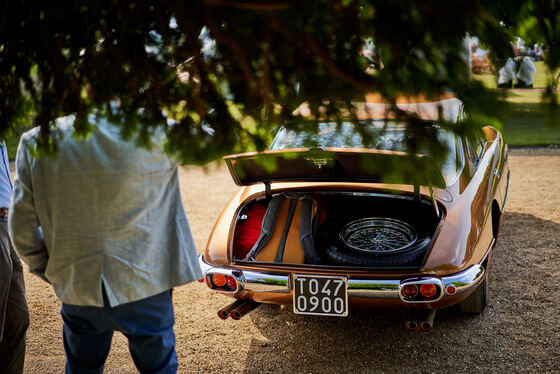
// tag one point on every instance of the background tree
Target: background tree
(227, 73)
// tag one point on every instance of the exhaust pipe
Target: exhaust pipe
(243, 309)
(428, 323)
(226, 311)
(411, 326)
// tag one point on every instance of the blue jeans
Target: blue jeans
(146, 323)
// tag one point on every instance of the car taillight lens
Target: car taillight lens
(231, 282)
(410, 290)
(219, 280)
(428, 290)
(451, 290)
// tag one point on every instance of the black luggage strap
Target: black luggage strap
(282, 247)
(306, 231)
(269, 220)
(307, 228)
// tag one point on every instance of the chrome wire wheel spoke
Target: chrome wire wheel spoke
(378, 235)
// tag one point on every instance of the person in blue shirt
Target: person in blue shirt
(14, 315)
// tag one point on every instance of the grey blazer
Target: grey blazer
(104, 211)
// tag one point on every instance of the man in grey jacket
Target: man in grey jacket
(103, 222)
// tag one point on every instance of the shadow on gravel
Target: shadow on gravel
(518, 332)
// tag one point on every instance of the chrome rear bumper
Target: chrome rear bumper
(357, 287)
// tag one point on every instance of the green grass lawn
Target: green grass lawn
(525, 121)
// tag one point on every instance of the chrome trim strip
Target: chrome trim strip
(370, 288)
(357, 287)
(204, 267)
(259, 282)
(466, 280)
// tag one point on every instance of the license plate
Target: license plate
(320, 295)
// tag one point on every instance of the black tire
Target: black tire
(477, 300)
(341, 256)
(340, 253)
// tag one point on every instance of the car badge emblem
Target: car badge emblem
(319, 162)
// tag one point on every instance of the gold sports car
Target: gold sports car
(314, 225)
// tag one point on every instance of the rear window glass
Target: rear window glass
(381, 135)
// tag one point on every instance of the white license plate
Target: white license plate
(320, 295)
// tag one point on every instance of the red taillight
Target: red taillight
(451, 289)
(219, 280)
(410, 290)
(231, 282)
(428, 290)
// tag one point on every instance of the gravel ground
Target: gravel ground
(518, 333)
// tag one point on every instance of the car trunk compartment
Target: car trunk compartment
(340, 229)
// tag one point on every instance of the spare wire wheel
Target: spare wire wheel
(378, 235)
